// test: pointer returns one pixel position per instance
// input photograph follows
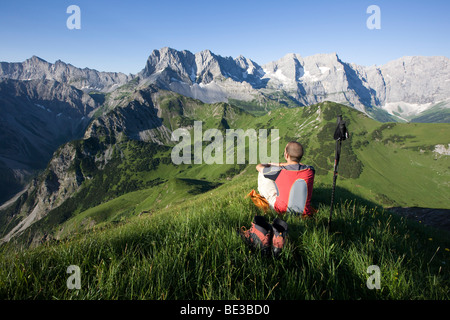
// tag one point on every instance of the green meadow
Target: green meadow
(191, 250)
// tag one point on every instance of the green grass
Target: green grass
(401, 156)
(191, 251)
(133, 203)
(437, 114)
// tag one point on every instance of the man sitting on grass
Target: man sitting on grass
(288, 186)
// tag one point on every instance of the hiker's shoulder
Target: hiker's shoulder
(311, 168)
(299, 167)
(307, 167)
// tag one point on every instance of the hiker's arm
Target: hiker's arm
(278, 164)
(261, 166)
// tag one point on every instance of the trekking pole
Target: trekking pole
(340, 134)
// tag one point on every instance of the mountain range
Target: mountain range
(406, 89)
(67, 130)
(400, 90)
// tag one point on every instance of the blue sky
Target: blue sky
(120, 35)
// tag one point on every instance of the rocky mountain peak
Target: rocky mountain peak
(414, 84)
(36, 68)
(36, 59)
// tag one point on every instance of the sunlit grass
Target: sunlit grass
(191, 251)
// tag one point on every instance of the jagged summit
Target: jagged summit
(36, 68)
(402, 88)
(202, 67)
(35, 58)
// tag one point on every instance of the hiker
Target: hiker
(284, 187)
(287, 186)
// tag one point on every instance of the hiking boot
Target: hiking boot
(259, 235)
(280, 229)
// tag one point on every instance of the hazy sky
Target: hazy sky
(120, 35)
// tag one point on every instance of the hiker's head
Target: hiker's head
(293, 151)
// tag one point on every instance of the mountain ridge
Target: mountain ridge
(417, 83)
(400, 90)
(36, 68)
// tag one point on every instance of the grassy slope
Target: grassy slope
(173, 191)
(420, 179)
(400, 168)
(191, 251)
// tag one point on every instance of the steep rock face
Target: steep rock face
(204, 75)
(404, 87)
(168, 64)
(285, 72)
(37, 116)
(138, 119)
(36, 68)
(57, 184)
(203, 67)
(409, 85)
(417, 80)
(314, 79)
(415, 84)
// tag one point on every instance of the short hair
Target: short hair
(294, 151)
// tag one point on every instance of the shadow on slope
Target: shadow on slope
(436, 219)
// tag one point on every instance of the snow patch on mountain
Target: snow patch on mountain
(406, 109)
